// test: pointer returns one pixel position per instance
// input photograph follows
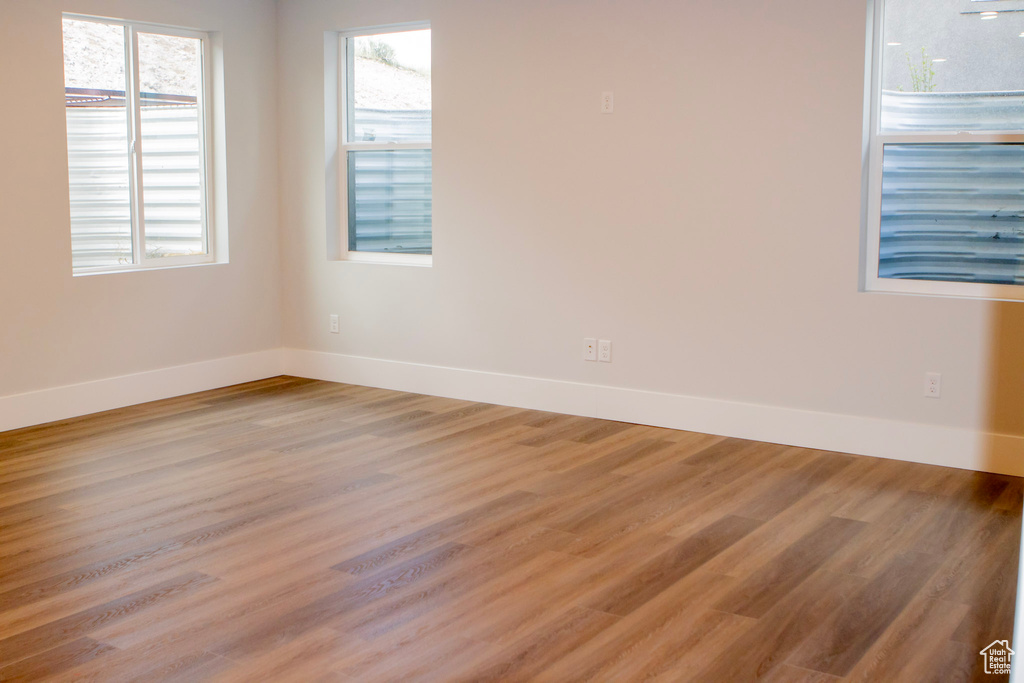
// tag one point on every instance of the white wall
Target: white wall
(58, 330)
(709, 227)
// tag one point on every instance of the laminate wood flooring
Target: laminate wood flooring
(295, 530)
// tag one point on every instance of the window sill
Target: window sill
(936, 288)
(138, 268)
(389, 259)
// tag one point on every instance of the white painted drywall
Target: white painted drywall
(58, 330)
(709, 227)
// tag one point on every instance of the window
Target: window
(945, 149)
(385, 152)
(135, 98)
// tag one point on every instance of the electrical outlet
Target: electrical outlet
(604, 351)
(335, 324)
(933, 385)
(607, 102)
(589, 349)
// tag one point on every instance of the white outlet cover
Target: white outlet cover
(589, 349)
(604, 351)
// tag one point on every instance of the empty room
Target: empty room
(694, 353)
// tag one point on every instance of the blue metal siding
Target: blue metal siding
(953, 212)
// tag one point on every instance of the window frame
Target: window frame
(873, 148)
(346, 97)
(204, 100)
(979, 6)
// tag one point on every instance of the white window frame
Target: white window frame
(978, 6)
(874, 143)
(345, 65)
(133, 102)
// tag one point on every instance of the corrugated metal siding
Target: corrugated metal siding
(383, 125)
(172, 189)
(390, 202)
(953, 212)
(935, 111)
(98, 168)
(98, 172)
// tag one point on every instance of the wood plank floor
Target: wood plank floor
(292, 530)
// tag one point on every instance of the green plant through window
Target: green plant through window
(922, 76)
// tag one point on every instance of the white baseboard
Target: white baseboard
(59, 403)
(913, 442)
